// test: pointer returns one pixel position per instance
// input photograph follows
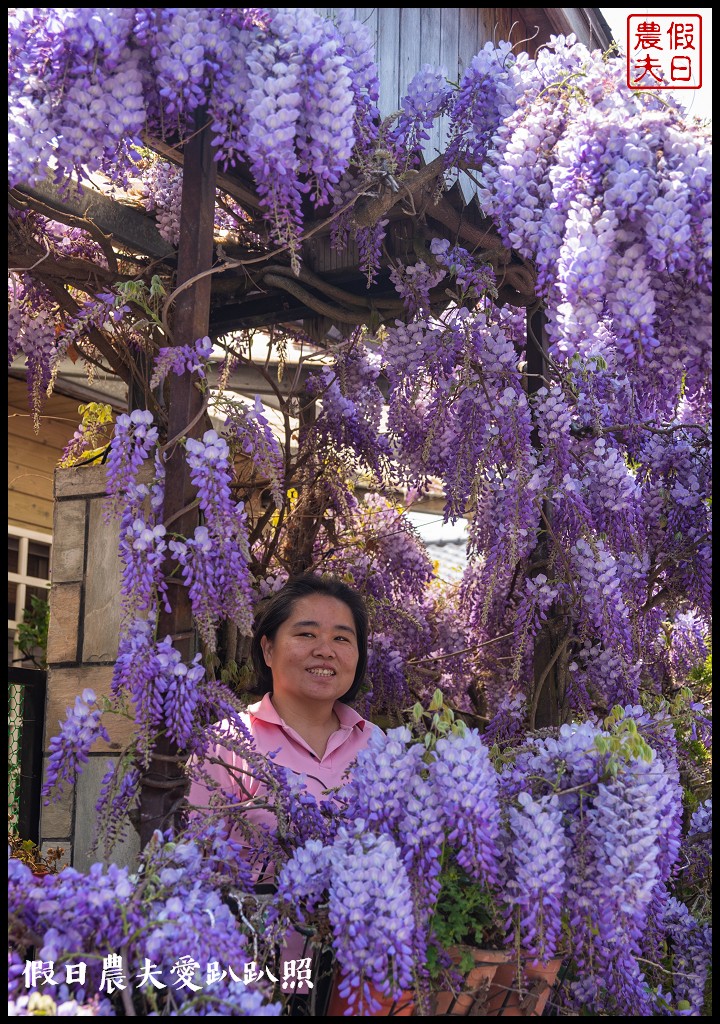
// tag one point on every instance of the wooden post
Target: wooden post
(312, 502)
(550, 649)
(163, 786)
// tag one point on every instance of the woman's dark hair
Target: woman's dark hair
(279, 609)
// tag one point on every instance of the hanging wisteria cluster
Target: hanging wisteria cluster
(34, 316)
(161, 188)
(577, 460)
(166, 692)
(215, 560)
(591, 444)
(576, 837)
(179, 939)
(69, 750)
(619, 841)
(248, 431)
(283, 89)
(401, 811)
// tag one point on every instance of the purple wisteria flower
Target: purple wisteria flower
(303, 880)
(351, 407)
(384, 770)
(691, 949)
(162, 189)
(215, 560)
(289, 93)
(428, 96)
(181, 359)
(587, 499)
(699, 850)
(618, 803)
(134, 440)
(164, 690)
(248, 427)
(370, 911)
(68, 751)
(169, 912)
(472, 280)
(537, 884)
(465, 784)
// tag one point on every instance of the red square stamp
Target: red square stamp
(664, 51)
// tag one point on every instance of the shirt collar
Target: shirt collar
(265, 711)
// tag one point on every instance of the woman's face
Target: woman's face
(314, 653)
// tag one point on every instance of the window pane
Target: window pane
(36, 622)
(12, 598)
(40, 592)
(13, 553)
(38, 560)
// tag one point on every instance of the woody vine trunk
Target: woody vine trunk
(163, 785)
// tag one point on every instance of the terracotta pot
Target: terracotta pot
(402, 1006)
(493, 987)
(525, 996)
(477, 985)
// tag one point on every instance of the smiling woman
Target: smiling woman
(309, 652)
(313, 658)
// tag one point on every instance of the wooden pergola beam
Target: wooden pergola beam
(125, 224)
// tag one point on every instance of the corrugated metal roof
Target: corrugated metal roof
(446, 544)
(448, 559)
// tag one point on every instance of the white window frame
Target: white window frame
(21, 578)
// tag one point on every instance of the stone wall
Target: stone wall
(82, 647)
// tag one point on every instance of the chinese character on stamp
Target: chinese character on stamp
(664, 51)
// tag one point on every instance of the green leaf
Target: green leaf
(437, 701)
(32, 632)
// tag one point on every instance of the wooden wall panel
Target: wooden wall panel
(368, 16)
(32, 457)
(504, 24)
(387, 57)
(430, 46)
(411, 53)
(449, 58)
(449, 37)
(468, 35)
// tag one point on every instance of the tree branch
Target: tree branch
(103, 240)
(368, 213)
(561, 647)
(332, 292)
(335, 313)
(120, 366)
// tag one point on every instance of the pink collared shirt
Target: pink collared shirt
(272, 735)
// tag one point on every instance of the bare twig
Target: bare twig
(186, 429)
(464, 650)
